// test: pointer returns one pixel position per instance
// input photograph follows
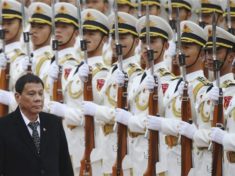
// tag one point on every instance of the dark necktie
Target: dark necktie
(35, 135)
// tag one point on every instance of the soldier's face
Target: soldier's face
(31, 99)
(183, 14)
(64, 32)
(191, 52)
(124, 8)
(12, 28)
(157, 44)
(128, 43)
(95, 40)
(153, 10)
(40, 34)
(220, 55)
(98, 5)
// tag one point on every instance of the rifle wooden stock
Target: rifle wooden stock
(4, 83)
(217, 153)
(57, 94)
(153, 141)
(186, 143)
(89, 128)
(121, 133)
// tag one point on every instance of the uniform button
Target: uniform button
(42, 171)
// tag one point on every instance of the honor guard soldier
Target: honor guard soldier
(160, 33)
(226, 8)
(207, 8)
(100, 5)
(13, 57)
(40, 29)
(193, 40)
(95, 30)
(126, 6)
(185, 12)
(105, 114)
(154, 7)
(205, 103)
(66, 31)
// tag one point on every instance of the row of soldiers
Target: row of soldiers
(66, 68)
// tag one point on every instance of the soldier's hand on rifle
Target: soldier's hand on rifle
(89, 108)
(120, 77)
(187, 130)
(83, 71)
(149, 82)
(7, 98)
(53, 71)
(3, 60)
(122, 116)
(25, 63)
(217, 135)
(213, 94)
(154, 123)
(181, 89)
(57, 108)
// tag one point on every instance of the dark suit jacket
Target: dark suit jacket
(18, 155)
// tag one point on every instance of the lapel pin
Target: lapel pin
(44, 129)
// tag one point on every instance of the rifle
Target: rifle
(217, 151)
(86, 169)
(186, 115)
(153, 136)
(121, 103)
(233, 68)
(174, 66)
(4, 72)
(57, 94)
(26, 36)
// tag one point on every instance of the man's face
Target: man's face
(183, 14)
(124, 8)
(220, 55)
(40, 34)
(153, 10)
(156, 44)
(31, 99)
(191, 52)
(99, 5)
(12, 29)
(93, 39)
(64, 32)
(128, 44)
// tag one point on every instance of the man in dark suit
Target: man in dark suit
(32, 143)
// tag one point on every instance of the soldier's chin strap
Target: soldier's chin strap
(62, 44)
(132, 45)
(188, 66)
(225, 58)
(161, 51)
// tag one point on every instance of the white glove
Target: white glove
(6, 97)
(83, 71)
(154, 123)
(187, 130)
(122, 116)
(217, 135)
(213, 94)
(120, 77)
(57, 108)
(89, 108)
(53, 71)
(181, 88)
(25, 63)
(149, 82)
(3, 60)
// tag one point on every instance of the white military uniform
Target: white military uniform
(73, 97)
(105, 115)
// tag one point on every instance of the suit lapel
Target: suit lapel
(45, 132)
(24, 132)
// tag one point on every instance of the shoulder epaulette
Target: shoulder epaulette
(175, 78)
(204, 81)
(132, 68)
(97, 68)
(228, 83)
(163, 72)
(18, 53)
